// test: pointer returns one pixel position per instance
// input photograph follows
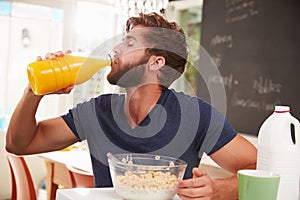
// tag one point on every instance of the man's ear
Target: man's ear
(156, 62)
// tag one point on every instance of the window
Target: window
(27, 30)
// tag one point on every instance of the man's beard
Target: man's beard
(130, 76)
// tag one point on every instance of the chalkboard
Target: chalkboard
(255, 46)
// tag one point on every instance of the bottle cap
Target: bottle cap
(282, 109)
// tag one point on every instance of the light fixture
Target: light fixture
(25, 38)
(133, 7)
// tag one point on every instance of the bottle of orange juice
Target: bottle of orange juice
(46, 76)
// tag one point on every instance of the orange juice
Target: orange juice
(50, 75)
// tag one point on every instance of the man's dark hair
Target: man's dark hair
(167, 39)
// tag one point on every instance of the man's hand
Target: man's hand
(54, 55)
(199, 187)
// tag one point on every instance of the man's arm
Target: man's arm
(237, 154)
(26, 136)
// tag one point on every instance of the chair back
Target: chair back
(22, 184)
(81, 178)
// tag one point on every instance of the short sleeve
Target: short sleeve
(69, 120)
(78, 118)
(218, 131)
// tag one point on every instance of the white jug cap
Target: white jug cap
(282, 109)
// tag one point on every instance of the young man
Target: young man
(149, 118)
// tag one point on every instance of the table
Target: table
(90, 194)
(57, 172)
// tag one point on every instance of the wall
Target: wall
(255, 49)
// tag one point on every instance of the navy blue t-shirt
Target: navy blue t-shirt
(179, 126)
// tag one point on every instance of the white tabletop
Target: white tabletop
(76, 158)
(90, 194)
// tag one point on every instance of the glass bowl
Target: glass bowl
(145, 176)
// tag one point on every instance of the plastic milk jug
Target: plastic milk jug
(49, 75)
(279, 151)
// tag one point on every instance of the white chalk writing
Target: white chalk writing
(228, 81)
(266, 86)
(238, 10)
(259, 104)
(226, 40)
(217, 60)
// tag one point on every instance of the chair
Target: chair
(22, 184)
(81, 178)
